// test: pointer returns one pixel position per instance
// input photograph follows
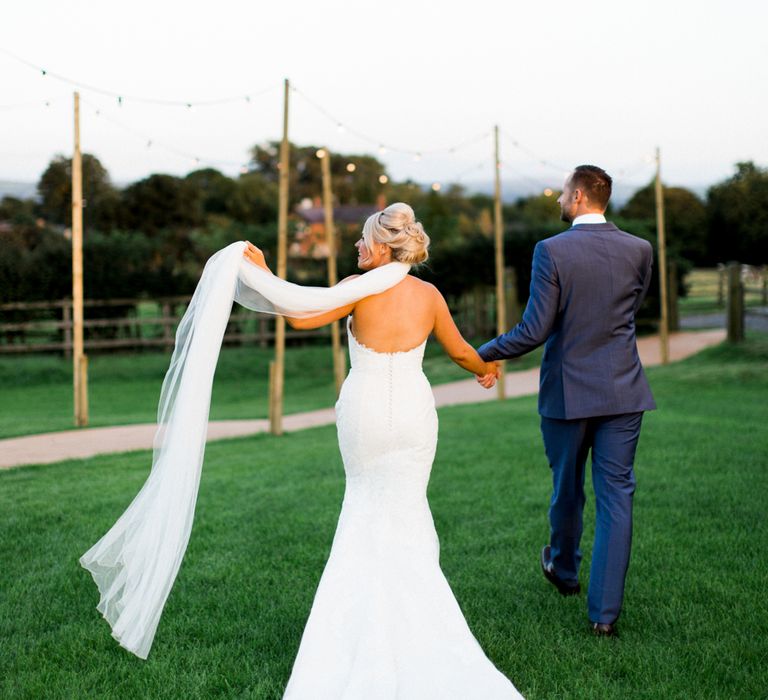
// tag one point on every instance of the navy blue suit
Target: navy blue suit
(586, 287)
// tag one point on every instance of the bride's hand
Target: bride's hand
(255, 255)
(488, 380)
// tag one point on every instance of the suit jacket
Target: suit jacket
(586, 287)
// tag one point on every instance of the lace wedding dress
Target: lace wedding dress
(384, 622)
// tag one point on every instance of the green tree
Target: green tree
(737, 216)
(253, 200)
(685, 217)
(359, 185)
(215, 189)
(20, 212)
(55, 191)
(162, 202)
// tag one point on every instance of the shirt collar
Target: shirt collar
(589, 219)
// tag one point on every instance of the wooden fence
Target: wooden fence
(708, 288)
(120, 324)
(130, 324)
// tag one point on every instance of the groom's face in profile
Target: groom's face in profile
(567, 201)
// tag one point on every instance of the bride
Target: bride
(384, 622)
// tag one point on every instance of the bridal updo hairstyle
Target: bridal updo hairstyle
(396, 226)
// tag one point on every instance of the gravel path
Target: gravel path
(88, 442)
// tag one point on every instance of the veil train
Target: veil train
(136, 562)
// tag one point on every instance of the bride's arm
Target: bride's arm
(458, 349)
(322, 319)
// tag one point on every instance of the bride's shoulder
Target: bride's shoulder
(418, 283)
(426, 288)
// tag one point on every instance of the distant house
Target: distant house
(310, 239)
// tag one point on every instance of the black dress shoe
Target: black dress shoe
(604, 629)
(548, 569)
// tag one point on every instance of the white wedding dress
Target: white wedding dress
(384, 623)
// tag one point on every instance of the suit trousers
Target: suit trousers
(613, 442)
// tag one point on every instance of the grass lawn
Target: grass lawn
(36, 391)
(695, 623)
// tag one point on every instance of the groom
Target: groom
(586, 287)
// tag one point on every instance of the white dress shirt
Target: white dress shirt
(589, 219)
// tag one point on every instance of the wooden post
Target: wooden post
(339, 362)
(277, 377)
(662, 253)
(764, 274)
(735, 303)
(79, 361)
(674, 310)
(720, 285)
(498, 228)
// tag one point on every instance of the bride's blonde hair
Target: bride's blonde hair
(396, 226)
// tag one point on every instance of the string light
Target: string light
(542, 161)
(247, 99)
(383, 179)
(135, 98)
(436, 186)
(151, 142)
(36, 103)
(381, 145)
(320, 153)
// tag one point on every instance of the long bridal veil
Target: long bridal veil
(135, 563)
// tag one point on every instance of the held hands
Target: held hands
(255, 255)
(493, 372)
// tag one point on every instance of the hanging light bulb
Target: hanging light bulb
(436, 186)
(417, 157)
(320, 153)
(383, 179)
(547, 192)
(351, 167)
(382, 150)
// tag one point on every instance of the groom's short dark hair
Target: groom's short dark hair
(594, 182)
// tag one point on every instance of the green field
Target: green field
(695, 623)
(36, 390)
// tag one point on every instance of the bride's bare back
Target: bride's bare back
(396, 320)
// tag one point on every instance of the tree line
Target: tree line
(152, 237)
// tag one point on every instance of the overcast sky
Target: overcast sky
(571, 82)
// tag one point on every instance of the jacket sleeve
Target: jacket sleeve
(539, 316)
(647, 278)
